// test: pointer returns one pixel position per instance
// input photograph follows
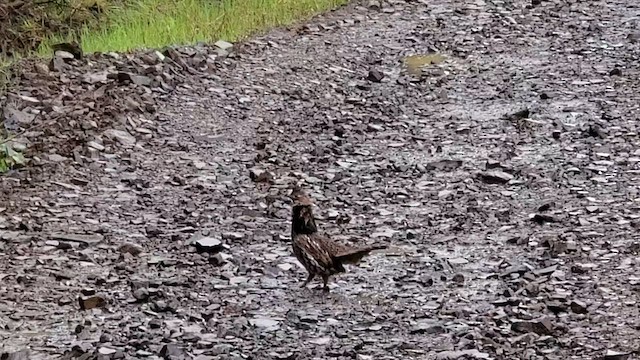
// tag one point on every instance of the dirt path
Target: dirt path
(425, 163)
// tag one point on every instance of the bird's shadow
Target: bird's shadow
(316, 293)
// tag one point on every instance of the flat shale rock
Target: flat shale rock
(462, 354)
(266, 324)
(495, 177)
(541, 326)
(173, 352)
(121, 136)
(444, 165)
(91, 302)
(79, 238)
(615, 355)
(579, 307)
(208, 244)
(129, 248)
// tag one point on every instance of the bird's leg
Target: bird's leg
(325, 279)
(309, 278)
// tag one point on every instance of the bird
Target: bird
(315, 251)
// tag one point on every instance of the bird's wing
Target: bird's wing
(316, 252)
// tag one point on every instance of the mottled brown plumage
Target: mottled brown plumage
(316, 252)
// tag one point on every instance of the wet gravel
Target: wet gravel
(154, 223)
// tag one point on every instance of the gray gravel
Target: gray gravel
(504, 178)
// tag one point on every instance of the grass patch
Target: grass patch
(125, 25)
(6, 70)
(157, 23)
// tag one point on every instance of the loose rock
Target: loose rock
(91, 302)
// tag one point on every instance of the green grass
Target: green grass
(5, 73)
(158, 23)
(144, 24)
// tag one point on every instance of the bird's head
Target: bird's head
(299, 196)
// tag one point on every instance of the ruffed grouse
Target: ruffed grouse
(316, 252)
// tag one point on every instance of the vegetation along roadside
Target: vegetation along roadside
(34, 27)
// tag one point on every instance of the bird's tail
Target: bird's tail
(353, 256)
